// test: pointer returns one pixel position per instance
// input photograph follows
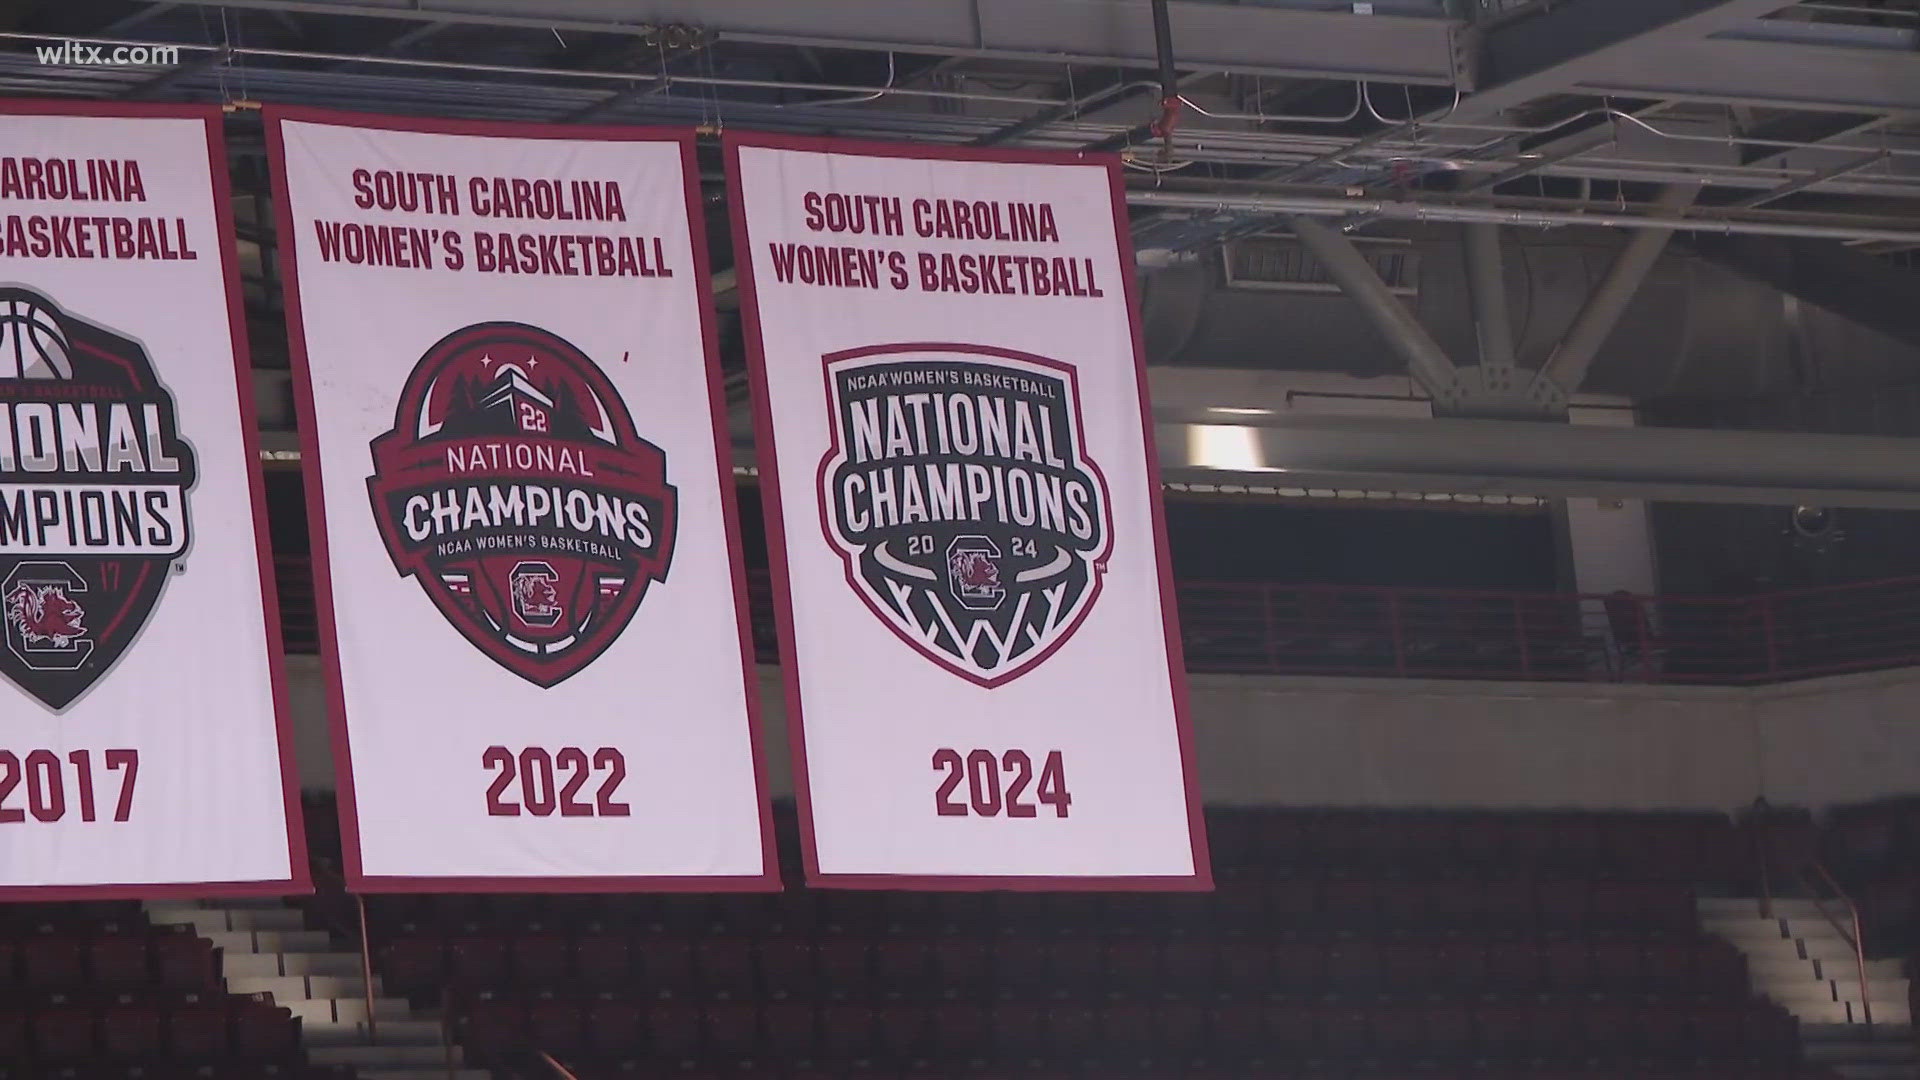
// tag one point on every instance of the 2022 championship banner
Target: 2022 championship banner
(524, 529)
(146, 748)
(983, 680)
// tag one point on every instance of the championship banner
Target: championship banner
(984, 683)
(522, 506)
(146, 749)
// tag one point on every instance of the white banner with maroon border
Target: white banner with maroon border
(524, 530)
(145, 749)
(983, 673)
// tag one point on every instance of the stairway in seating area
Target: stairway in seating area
(1802, 962)
(267, 947)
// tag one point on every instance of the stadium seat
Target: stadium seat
(63, 1035)
(53, 962)
(559, 1027)
(131, 1033)
(540, 960)
(197, 1032)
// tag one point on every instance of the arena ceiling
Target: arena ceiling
(1798, 118)
(1797, 125)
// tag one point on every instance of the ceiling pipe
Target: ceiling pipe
(1397, 210)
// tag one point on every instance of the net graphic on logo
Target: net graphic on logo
(515, 489)
(93, 496)
(958, 490)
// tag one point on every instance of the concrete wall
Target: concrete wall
(1386, 742)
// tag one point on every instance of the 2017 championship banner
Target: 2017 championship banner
(145, 750)
(523, 506)
(984, 684)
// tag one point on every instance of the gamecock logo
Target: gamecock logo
(44, 615)
(959, 492)
(93, 496)
(515, 489)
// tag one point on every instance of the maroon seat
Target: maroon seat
(119, 961)
(53, 962)
(477, 961)
(1618, 965)
(198, 1031)
(1187, 966)
(264, 1030)
(1561, 903)
(674, 1031)
(411, 964)
(1019, 1030)
(845, 967)
(63, 1035)
(1290, 1027)
(788, 967)
(185, 962)
(1238, 1028)
(131, 1033)
(724, 967)
(669, 965)
(1075, 963)
(13, 1035)
(961, 1032)
(540, 960)
(732, 1030)
(1513, 966)
(847, 1032)
(961, 964)
(1567, 965)
(556, 1026)
(790, 1029)
(602, 960)
(492, 1026)
(1351, 903)
(1132, 965)
(902, 968)
(903, 1033)
(1354, 965)
(1127, 1029)
(1179, 1028)
(615, 1028)
(1344, 1030)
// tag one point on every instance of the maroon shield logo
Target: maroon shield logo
(93, 496)
(516, 490)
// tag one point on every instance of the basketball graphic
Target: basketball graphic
(32, 345)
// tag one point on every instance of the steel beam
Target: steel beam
(1424, 357)
(1487, 282)
(1568, 365)
(1775, 74)
(1544, 54)
(1517, 457)
(1405, 41)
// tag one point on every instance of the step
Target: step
(205, 920)
(296, 963)
(1846, 987)
(385, 1033)
(1860, 1051)
(1728, 906)
(383, 1057)
(1899, 1036)
(1813, 929)
(425, 1073)
(1828, 951)
(348, 1010)
(246, 941)
(285, 988)
(1743, 929)
(1811, 1011)
(1769, 970)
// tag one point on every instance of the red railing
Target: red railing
(1452, 634)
